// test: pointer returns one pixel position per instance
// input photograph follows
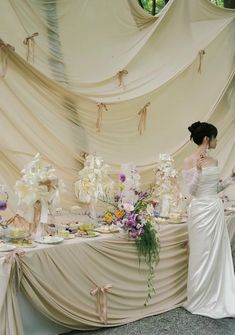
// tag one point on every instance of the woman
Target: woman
(211, 280)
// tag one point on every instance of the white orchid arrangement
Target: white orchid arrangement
(166, 185)
(166, 175)
(39, 183)
(132, 183)
(94, 182)
(166, 166)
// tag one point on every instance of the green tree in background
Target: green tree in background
(229, 4)
(224, 3)
(155, 6)
(219, 3)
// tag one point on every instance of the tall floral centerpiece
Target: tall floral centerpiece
(94, 182)
(38, 191)
(167, 187)
(135, 214)
(132, 182)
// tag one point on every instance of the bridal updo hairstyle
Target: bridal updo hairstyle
(199, 130)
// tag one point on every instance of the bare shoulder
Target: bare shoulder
(189, 162)
(212, 161)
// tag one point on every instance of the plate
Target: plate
(176, 221)
(7, 247)
(160, 220)
(95, 234)
(23, 245)
(50, 240)
(107, 231)
(86, 227)
(170, 221)
(69, 237)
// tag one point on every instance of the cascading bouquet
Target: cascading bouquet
(136, 217)
(94, 182)
(38, 190)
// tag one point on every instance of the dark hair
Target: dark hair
(199, 130)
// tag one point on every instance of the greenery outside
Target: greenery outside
(155, 6)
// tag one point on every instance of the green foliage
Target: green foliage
(149, 5)
(148, 246)
(219, 3)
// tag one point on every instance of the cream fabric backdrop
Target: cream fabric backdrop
(49, 105)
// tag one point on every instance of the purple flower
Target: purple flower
(134, 234)
(117, 197)
(3, 205)
(131, 219)
(122, 177)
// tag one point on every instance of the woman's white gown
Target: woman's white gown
(211, 280)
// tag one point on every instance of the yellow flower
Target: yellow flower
(119, 214)
(108, 217)
(122, 186)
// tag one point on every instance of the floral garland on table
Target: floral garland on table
(94, 182)
(39, 185)
(137, 219)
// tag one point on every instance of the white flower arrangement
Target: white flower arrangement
(166, 166)
(166, 186)
(166, 174)
(94, 182)
(132, 183)
(39, 183)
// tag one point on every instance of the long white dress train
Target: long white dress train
(211, 280)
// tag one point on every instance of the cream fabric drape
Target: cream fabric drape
(181, 62)
(58, 280)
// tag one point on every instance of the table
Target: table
(56, 281)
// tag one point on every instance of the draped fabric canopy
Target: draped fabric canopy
(105, 76)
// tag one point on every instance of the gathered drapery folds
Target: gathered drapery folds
(77, 286)
(48, 106)
(63, 282)
(11, 275)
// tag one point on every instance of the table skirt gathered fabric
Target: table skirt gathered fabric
(58, 280)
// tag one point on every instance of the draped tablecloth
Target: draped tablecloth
(57, 281)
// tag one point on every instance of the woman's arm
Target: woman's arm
(192, 178)
(192, 175)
